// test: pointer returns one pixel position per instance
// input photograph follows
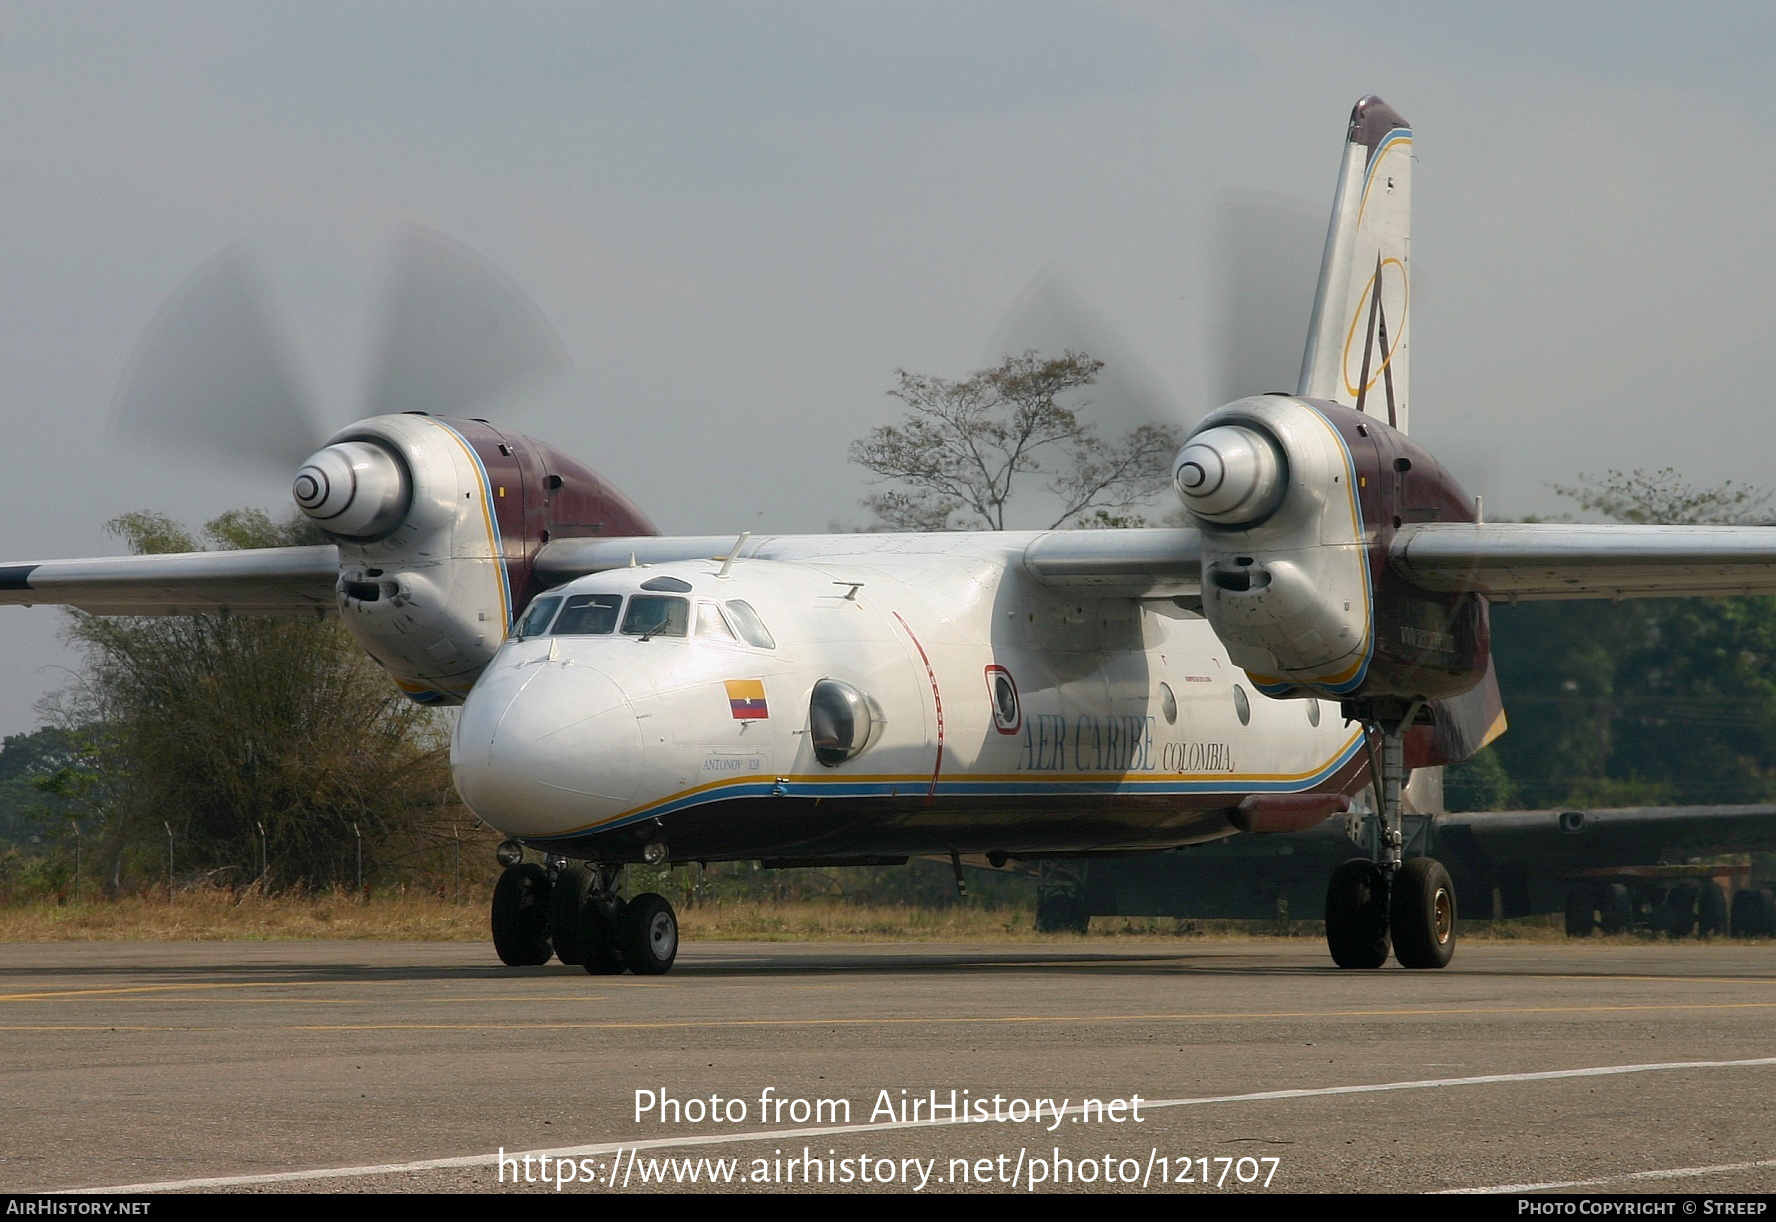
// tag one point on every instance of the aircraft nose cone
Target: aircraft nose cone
(547, 752)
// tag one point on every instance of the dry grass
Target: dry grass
(248, 916)
(221, 915)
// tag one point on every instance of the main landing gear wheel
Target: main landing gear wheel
(1617, 906)
(1754, 916)
(521, 915)
(648, 934)
(1581, 912)
(1061, 914)
(1357, 915)
(572, 888)
(1423, 914)
(1680, 912)
(1711, 909)
(601, 923)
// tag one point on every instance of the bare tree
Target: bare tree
(1662, 497)
(957, 455)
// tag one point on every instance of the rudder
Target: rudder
(1358, 339)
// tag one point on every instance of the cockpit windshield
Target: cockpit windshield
(536, 618)
(589, 615)
(651, 615)
(751, 627)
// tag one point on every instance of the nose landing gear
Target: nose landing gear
(1369, 900)
(521, 915)
(572, 910)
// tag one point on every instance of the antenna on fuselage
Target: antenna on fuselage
(728, 560)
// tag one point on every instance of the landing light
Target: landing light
(509, 853)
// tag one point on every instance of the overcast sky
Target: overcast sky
(744, 217)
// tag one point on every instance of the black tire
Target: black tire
(648, 934)
(601, 922)
(1711, 910)
(1752, 912)
(1422, 914)
(1617, 907)
(1061, 914)
(1357, 915)
(1680, 911)
(572, 886)
(521, 915)
(1581, 912)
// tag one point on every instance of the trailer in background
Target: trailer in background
(1609, 869)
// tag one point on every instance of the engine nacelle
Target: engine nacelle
(438, 522)
(1297, 501)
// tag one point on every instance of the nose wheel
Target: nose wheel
(574, 913)
(1370, 902)
(521, 915)
(648, 935)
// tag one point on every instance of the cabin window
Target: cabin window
(650, 616)
(839, 722)
(536, 616)
(751, 628)
(589, 615)
(1242, 705)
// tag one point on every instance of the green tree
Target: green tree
(1649, 701)
(954, 461)
(216, 725)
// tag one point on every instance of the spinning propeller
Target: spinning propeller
(213, 370)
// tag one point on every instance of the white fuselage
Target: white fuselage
(1004, 715)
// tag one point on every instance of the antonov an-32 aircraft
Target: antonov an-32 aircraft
(1320, 631)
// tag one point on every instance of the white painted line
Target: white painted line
(1675, 1173)
(716, 1139)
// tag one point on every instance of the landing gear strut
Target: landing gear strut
(1369, 900)
(572, 910)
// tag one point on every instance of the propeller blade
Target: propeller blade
(1264, 268)
(211, 372)
(459, 336)
(1051, 317)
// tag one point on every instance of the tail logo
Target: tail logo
(1371, 311)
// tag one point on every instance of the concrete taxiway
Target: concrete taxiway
(356, 1066)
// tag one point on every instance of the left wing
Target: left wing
(1510, 560)
(261, 581)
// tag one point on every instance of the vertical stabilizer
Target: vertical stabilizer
(1358, 341)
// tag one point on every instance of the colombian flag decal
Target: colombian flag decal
(747, 698)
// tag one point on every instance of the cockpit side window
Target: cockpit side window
(589, 615)
(651, 615)
(751, 628)
(711, 626)
(536, 617)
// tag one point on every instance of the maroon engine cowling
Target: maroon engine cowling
(1429, 645)
(549, 496)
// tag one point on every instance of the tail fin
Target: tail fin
(1358, 341)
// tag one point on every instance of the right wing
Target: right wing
(259, 581)
(1545, 560)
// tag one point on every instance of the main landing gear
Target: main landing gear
(1370, 901)
(572, 910)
